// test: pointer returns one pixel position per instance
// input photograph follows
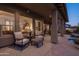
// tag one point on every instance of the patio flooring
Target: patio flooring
(63, 48)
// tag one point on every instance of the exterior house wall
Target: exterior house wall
(6, 40)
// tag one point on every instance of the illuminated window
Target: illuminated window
(6, 22)
(7, 25)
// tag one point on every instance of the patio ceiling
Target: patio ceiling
(45, 9)
(37, 10)
(63, 10)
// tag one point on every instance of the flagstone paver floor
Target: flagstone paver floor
(63, 48)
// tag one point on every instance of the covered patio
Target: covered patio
(49, 19)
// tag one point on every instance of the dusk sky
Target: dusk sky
(73, 13)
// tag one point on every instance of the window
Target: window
(6, 22)
(7, 28)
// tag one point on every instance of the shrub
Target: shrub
(68, 32)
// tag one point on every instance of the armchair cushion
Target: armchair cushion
(39, 36)
(22, 42)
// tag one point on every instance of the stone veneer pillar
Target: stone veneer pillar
(62, 27)
(54, 32)
(33, 25)
(17, 19)
(0, 30)
(49, 28)
(59, 24)
(42, 27)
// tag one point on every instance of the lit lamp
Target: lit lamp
(28, 27)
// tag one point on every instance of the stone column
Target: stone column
(33, 25)
(45, 30)
(49, 28)
(42, 27)
(54, 32)
(62, 27)
(17, 19)
(0, 30)
(59, 29)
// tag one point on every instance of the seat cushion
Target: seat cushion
(35, 40)
(22, 42)
(39, 36)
